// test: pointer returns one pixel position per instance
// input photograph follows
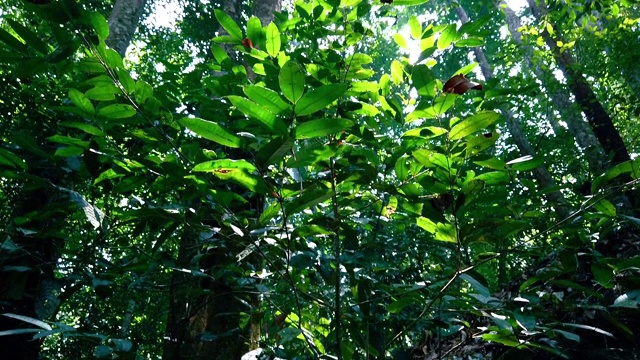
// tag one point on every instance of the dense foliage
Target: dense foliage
(343, 182)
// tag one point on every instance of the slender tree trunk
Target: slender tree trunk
(541, 173)
(586, 140)
(123, 23)
(598, 117)
(264, 9)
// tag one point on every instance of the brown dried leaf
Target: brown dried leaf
(460, 85)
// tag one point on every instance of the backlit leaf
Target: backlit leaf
(321, 127)
(317, 99)
(472, 124)
(291, 81)
(211, 131)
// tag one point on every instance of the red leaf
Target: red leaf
(460, 85)
(247, 43)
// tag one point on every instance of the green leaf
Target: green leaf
(447, 36)
(291, 81)
(470, 42)
(10, 159)
(254, 31)
(473, 124)
(100, 24)
(317, 99)
(422, 76)
(429, 158)
(604, 275)
(307, 200)
(30, 37)
(267, 98)
(321, 127)
(117, 111)
(400, 40)
(211, 131)
(273, 40)
(398, 305)
(401, 168)
(605, 207)
(494, 178)
(89, 129)
(265, 117)
(467, 68)
(67, 140)
(415, 27)
(228, 24)
(274, 151)
(81, 101)
(12, 41)
(472, 27)
(234, 170)
(142, 91)
(102, 92)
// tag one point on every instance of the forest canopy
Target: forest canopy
(319, 179)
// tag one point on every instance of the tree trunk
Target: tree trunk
(264, 9)
(541, 173)
(598, 117)
(123, 23)
(580, 129)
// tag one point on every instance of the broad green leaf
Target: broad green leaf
(10, 159)
(12, 41)
(237, 171)
(603, 274)
(477, 282)
(307, 200)
(605, 207)
(473, 124)
(481, 142)
(228, 24)
(429, 158)
(100, 24)
(494, 178)
(472, 27)
(415, 27)
(81, 101)
(103, 92)
(470, 42)
(321, 127)
(400, 40)
(398, 305)
(267, 98)
(30, 37)
(117, 111)
(447, 36)
(88, 128)
(467, 68)
(422, 76)
(67, 140)
(270, 212)
(397, 71)
(291, 81)
(401, 168)
(273, 40)
(127, 82)
(492, 163)
(255, 33)
(630, 166)
(443, 103)
(211, 131)
(142, 91)
(274, 151)
(317, 99)
(265, 117)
